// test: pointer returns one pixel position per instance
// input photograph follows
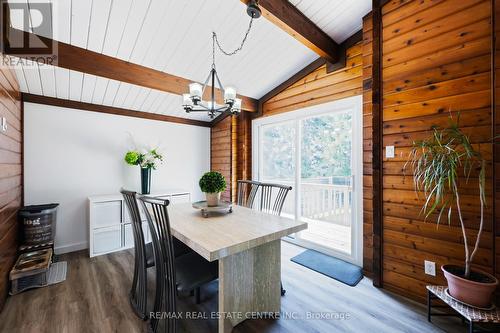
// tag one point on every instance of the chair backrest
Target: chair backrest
(247, 191)
(272, 197)
(156, 213)
(130, 199)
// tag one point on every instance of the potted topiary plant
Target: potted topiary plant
(147, 161)
(440, 164)
(212, 184)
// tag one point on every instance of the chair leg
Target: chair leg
(197, 295)
(283, 291)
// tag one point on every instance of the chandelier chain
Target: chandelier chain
(215, 40)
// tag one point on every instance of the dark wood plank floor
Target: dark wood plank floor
(94, 298)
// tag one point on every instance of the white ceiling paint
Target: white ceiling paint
(175, 37)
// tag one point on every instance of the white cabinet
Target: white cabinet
(110, 227)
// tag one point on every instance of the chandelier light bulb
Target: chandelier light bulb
(195, 90)
(187, 102)
(229, 94)
(237, 105)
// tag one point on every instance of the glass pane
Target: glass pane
(278, 159)
(326, 186)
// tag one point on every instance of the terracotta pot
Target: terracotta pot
(474, 293)
(213, 199)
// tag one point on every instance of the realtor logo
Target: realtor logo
(27, 33)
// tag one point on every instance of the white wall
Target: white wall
(72, 154)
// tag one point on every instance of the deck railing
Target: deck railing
(327, 199)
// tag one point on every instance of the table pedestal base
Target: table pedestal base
(249, 285)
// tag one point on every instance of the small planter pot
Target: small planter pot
(212, 199)
(476, 291)
(145, 180)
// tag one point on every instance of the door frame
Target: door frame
(351, 103)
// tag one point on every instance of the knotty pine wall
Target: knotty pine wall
(11, 180)
(320, 86)
(221, 152)
(436, 59)
(496, 131)
(367, 53)
(435, 62)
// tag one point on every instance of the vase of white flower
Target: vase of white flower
(146, 161)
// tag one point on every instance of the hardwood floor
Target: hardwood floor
(94, 298)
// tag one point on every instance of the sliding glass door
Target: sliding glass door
(318, 152)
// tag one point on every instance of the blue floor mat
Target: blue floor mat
(335, 268)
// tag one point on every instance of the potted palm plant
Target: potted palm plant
(440, 163)
(212, 184)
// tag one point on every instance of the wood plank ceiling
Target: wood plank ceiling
(340, 19)
(174, 37)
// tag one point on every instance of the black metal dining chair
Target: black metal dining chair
(272, 199)
(143, 256)
(185, 273)
(247, 191)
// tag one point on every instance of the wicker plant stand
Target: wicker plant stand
(468, 314)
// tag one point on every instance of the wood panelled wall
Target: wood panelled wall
(496, 133)
(221, 152)
(435, 62)
(367, 146)
(320, 86)
(10, 175)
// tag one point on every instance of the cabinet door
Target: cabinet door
(179, 198)
(106, 213)
(107, 239)
(128, 236)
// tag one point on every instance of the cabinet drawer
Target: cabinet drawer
(129, 234)
(106, 213)
(107, 239)
(179, 198)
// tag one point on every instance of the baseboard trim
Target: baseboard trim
(71, 248)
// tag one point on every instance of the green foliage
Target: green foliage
(144, 160)
(212, 182)
(132, 158)
(325, 148)
(437, 164)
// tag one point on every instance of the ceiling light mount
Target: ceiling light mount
(253, 9)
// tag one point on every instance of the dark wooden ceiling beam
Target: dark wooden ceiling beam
(344, 46)
(110, 110)
(286, 16)
(86, 61)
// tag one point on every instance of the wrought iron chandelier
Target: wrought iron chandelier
(193, 101)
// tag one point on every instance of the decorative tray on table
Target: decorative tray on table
(205, 209)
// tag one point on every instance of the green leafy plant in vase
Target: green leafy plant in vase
(146, 161)
(212, 183)
(440, 164)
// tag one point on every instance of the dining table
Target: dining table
(246, 243)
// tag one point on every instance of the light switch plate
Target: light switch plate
(430, 267)
(389, 151)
